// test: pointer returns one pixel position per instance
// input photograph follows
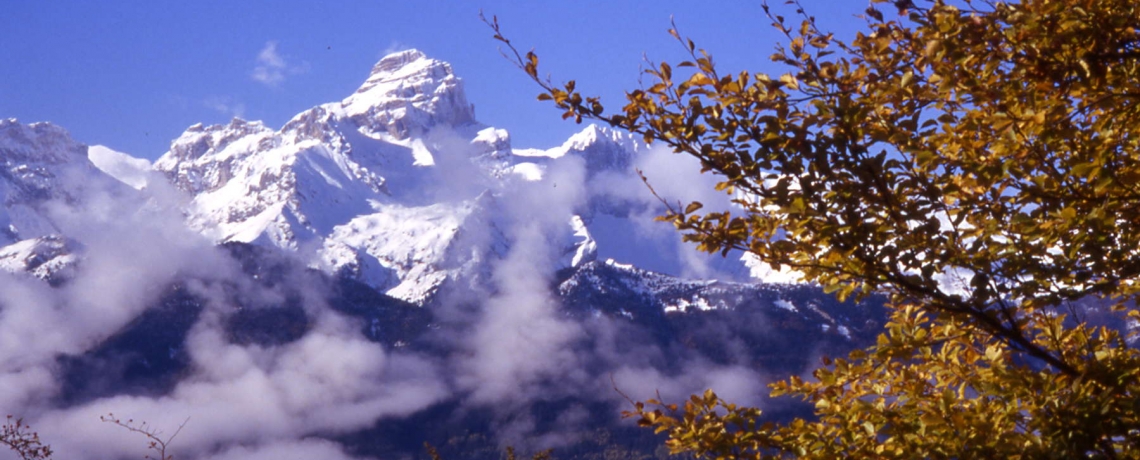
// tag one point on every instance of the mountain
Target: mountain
(41, 165)
(361, 183)
(379, 272)
(397, 185)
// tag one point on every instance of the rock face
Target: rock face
(51, 258)
(406, 94)
(44, 172)
(39, 165)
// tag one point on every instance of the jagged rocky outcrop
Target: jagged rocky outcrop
(407, 94)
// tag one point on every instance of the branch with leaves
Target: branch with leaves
(996, 143)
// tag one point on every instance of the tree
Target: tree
(979, 161)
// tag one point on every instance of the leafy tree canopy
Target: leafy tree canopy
(980, 162)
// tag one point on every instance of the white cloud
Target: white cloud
(271, 67)
(286, 450)
(522, 341)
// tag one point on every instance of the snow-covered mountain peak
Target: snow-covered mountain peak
(408, 93)
(604, 149)
(595, 134)
(41, 164)
(38, 143)
(201, 158)
(406, 62)
(199, 141)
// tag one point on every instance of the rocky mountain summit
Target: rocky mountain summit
(397, 185)
(41, 166)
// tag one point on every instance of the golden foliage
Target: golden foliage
(996, 143)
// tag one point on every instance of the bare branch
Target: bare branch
(153, 435)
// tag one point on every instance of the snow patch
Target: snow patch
(784, 304)
(127, 169)
(527, 171)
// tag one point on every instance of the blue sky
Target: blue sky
(133, 75)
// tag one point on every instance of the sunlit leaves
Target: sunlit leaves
(930, 389)
(1000, 140)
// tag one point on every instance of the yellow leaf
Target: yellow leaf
(790, 81)
(699, 79)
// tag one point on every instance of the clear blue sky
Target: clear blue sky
(133, 75)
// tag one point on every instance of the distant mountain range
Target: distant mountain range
(380, 272)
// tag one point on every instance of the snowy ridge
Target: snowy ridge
(50, 258)
(675, 294)
(43, 172)
(643, 295)
(40, 164)
(129, 170)
(602, 149)
(250, 183)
